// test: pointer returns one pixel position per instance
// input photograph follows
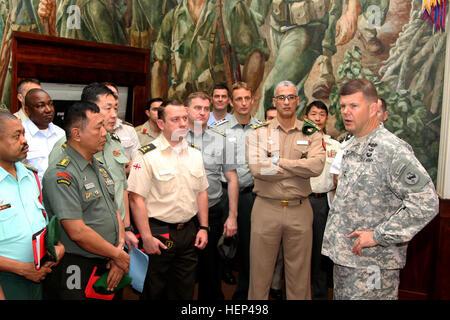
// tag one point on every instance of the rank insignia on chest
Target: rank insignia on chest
(331, 153)
(5, 206)
(116, 153)
(109, 182)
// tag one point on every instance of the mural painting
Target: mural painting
(318, 44)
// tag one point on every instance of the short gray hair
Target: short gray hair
(283, 84)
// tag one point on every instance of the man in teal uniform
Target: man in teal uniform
(21, 216)
(79, 190)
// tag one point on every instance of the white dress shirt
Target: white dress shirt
(40, 144)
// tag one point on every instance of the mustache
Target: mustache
(25, 145)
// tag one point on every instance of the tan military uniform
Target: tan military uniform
(145, 134)
(21, 114)
(128, 138)
(169, 179)
(282, 212)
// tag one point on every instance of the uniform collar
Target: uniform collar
(77, 158)
(234, 122)
(274, 124)
(33, 129)
(22, 172)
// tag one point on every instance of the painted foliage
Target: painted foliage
(317, 44)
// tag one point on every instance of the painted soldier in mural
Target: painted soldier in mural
(93, 20)
(301, 31)
(205, 42)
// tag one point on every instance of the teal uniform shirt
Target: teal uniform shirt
(20, 213)
(75, 189)
(113, 157)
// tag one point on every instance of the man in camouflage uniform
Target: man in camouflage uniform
(383, 198)
(188, 41)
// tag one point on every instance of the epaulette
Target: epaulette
(225, 120)
(64, 145)
(127, 123)
(309, 127)
(138, 128)
(147, 148)
(99, 160)
(259, 125)
(115, 136)
(30, 168)
(194, 146)
(64, 163)
(217, 131)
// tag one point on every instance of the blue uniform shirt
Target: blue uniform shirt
(20, 213)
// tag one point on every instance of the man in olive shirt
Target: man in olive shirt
(167, 185)
(282, 156)
(80, 192)
(149, 131)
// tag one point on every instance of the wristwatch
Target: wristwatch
(205, 228)
(130, 228)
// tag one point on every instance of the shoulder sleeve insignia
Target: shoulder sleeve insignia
(259, 125)
(217, 131)
(194, 146)
(309, 127)
(64, 163)
(115, 137)
(147, 148)
(30, 168)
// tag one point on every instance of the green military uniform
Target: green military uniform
(145, 134)
(100, 21)
(186, 46)
(146, 18)
(73, 188)
(301, 31)
(113, 158)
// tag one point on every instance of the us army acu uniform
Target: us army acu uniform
(300, 32)
(145, 134)
(170, 179)
(113, 158)
(236, 149)
(189, 50)
(282, 164)
(382, 188)
(211, 143)
(73, 188)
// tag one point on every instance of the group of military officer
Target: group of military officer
(176, 199)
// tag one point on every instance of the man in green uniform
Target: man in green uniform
(112, 155)
(189, 42)
(79, 190)
(149, 131)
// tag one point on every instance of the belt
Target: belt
(177, 226)
(318, 195)
(286, 203)
(246, 189)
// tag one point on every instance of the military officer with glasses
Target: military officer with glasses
(283, 155)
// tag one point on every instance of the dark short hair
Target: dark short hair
(317, 104)
(30, 93)
(360, 85)
(149, 103)
(268, 109)
(93, 91)
(198, 94)
(162, 108)
(24, 82)
(75, 115)
(220, 86)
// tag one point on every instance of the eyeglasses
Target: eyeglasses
(290, 97)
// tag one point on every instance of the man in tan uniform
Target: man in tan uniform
(167, 186)
(282, 156)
